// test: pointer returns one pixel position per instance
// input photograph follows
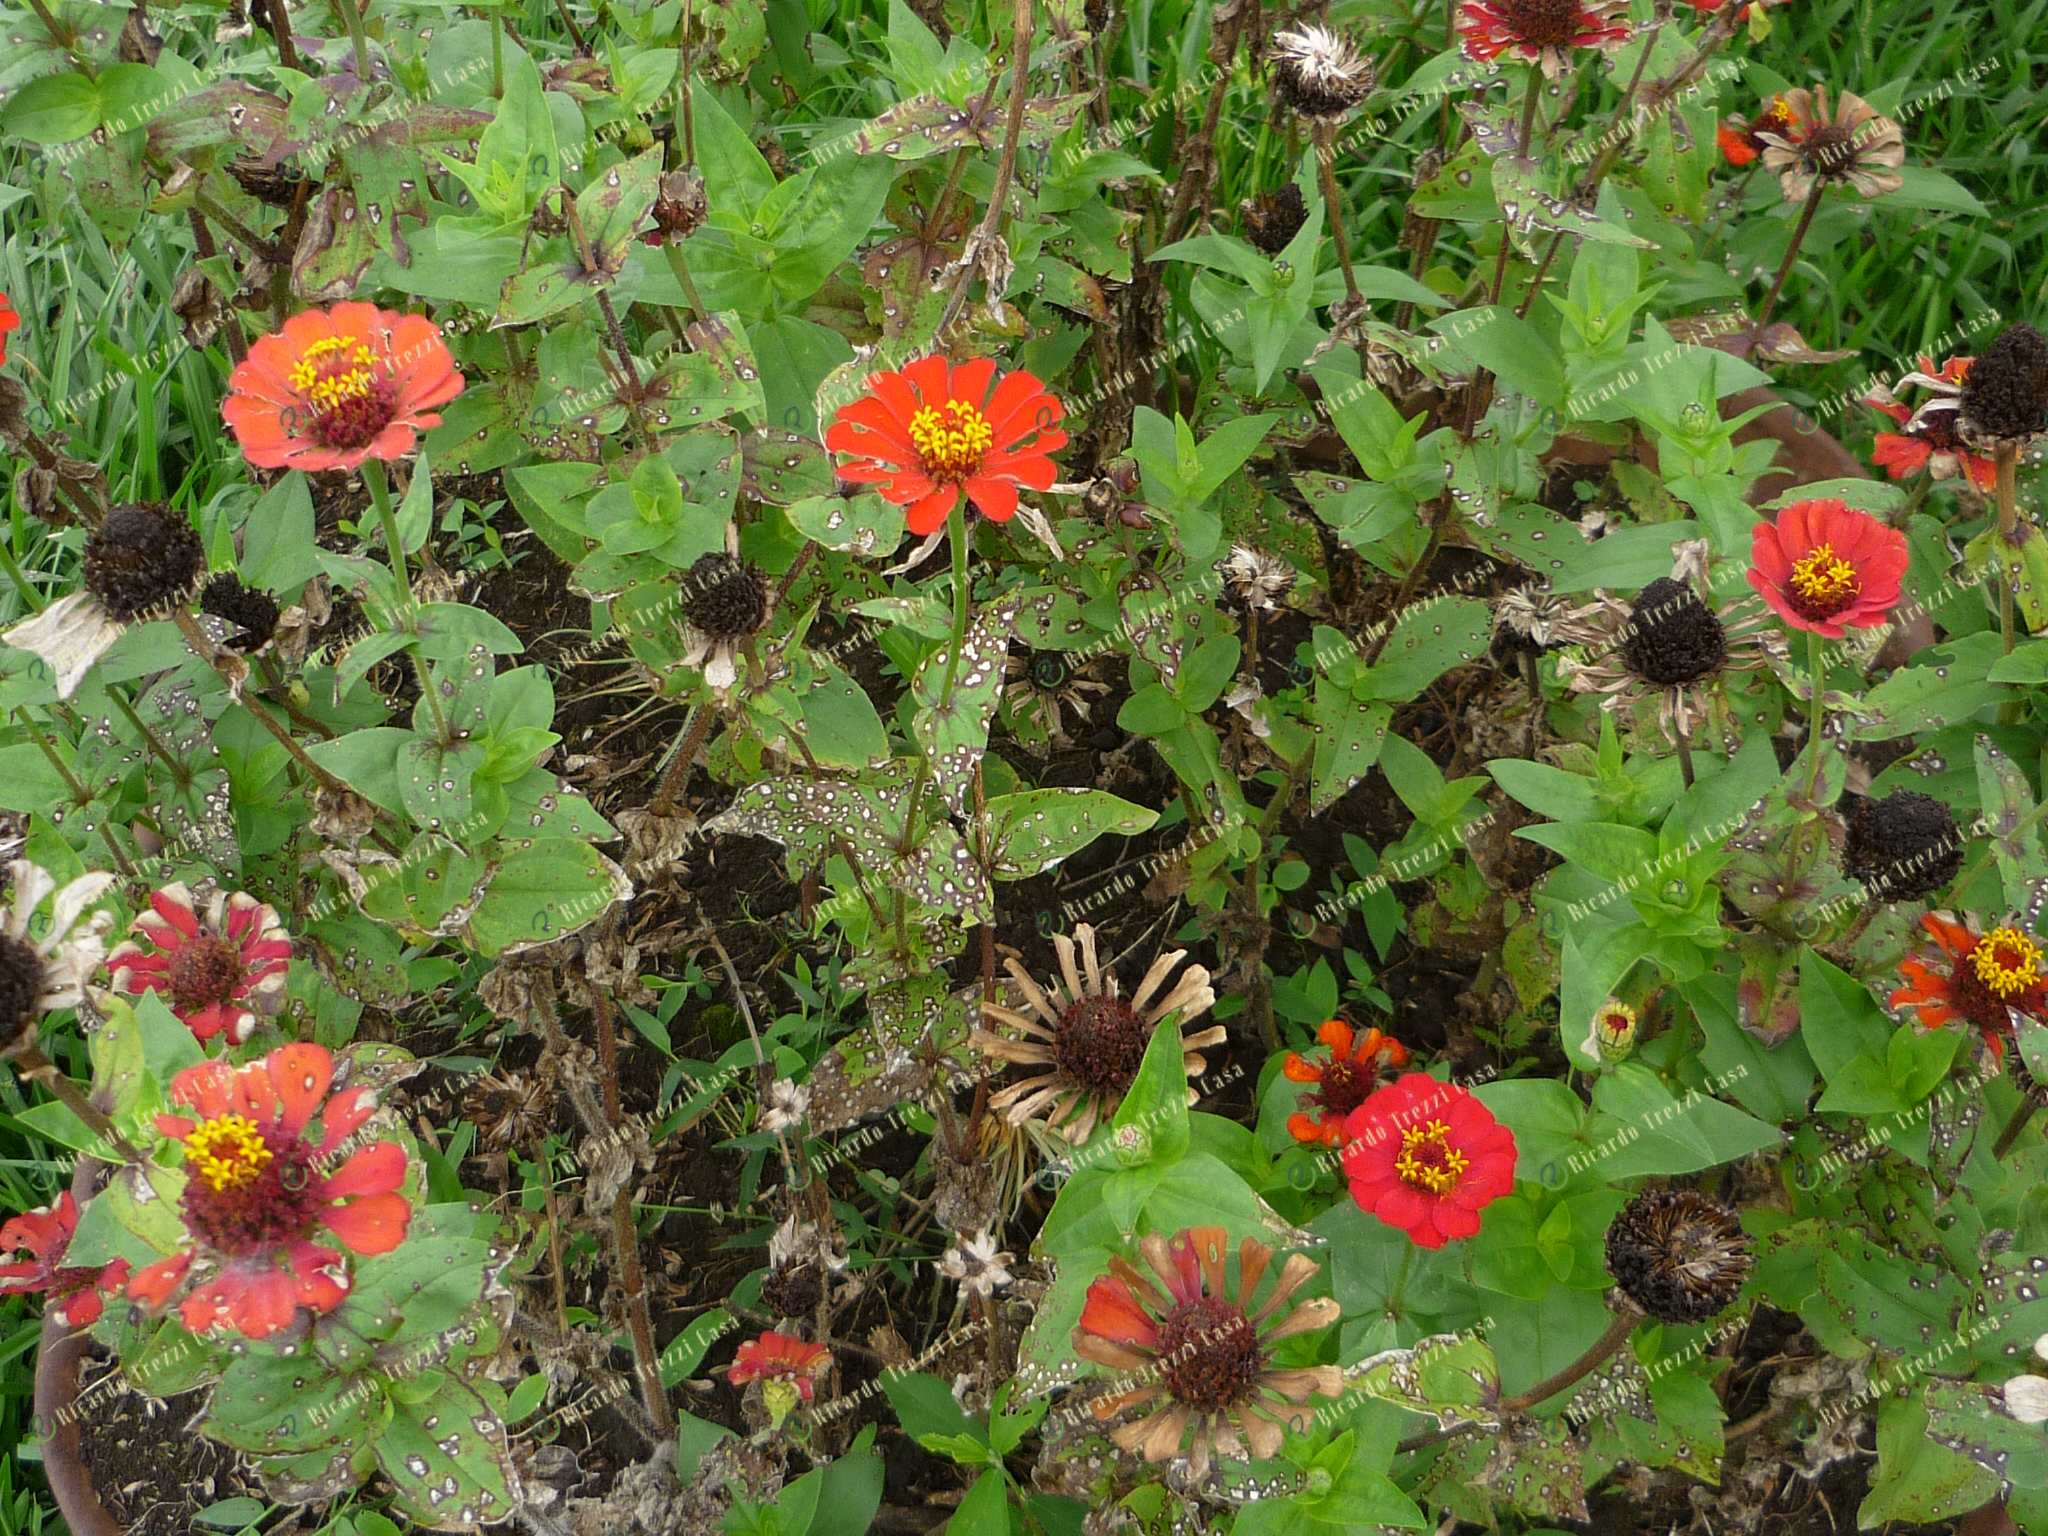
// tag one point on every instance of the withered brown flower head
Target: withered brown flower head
(1902, 847)
(2005, 393)
(1673, 637)
(680, 206)
(724, 597)
(1678, 1255)
(1852, 144)
(142, 561)
(1272, 219)
(1320, 73)
(253, 612)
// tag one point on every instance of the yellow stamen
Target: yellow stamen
(1824, 580)
(1428, 1161)
(226, 1150)
(2007, 961)
(333, 371)
(951, 440)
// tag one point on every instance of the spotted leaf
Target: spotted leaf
(1034, 829)
(448, 1457)
(953, 731)
(1452, 1378)
(781, 467)
(1971, 1417)
(887, 1061)
(859, 525)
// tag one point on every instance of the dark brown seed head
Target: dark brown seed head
(277, 185)
(1672, 637)
(2005, 394)
(1319, 73)
(21, 987)
(1678, 1255)
(794, 1290)
(1272, 219)
(250, 610)
(1830, 152)
(1902, 847)
(1100, 1043)
(681, 204)
(1209, 1354)
(724, 597)
(142, 561)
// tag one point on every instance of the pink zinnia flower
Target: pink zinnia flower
(217, 973)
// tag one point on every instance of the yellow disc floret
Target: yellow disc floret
(1824, 582)
(952, 439)
(2007, 962)
(226, 1150)
(333, 371)
(1428, 1161)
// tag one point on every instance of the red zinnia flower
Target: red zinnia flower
(1426, 1156)
(336, 387)
(9, 321)
(218, 973)
(1540, 31)
(1346, 1078)
(1827, 568)
(1202, 1350)
(258, 1187)
(781, 1357)
(1930, 439)
(74, 1294)
(1988, 979)
(933, 430)
(1741, 138)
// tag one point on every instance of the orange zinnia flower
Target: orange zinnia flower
(1990, 978)
(338, 386)
(1347, 1078)
(1929, 438)
(934, 430)
(9, 321)
(260, 1185)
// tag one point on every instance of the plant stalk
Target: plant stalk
(1770, 303)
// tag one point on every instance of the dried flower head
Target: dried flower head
(976, 1264)
(1532, 620)
(1319, 73)
(1088, 1038)
(142, 561)
(1678, 1255)
(252, 611)
(785, 1105)
(1902, 847)
(50, 970)
(680, 206)
(1742, 139)
(1815, 147)
(1273, 219)
(1207, 1352)
(1256, 579)
(2005, 395)
(1673, 637)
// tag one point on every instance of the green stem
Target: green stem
(1816, 665)
(352, 15)
(684, 281)
(497, 56)
(34, 600)
(1401, 1281)
(380, 497)
(1806, 214)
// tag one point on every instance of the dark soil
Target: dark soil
(149, 1470)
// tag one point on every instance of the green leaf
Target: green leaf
(1917, 1481)
(985, 1510)
(458, 1436)
(1428, 640)
(850, 1491)
(1842, 1025)
(1034, 829)
(278, 538)
(1639, 1128)
(1151, 711)
(54, 109)
(546, 889)
(1349, 736)
(1497, 339)
(925, 1406)
(1155, 1109)
(2007, 802)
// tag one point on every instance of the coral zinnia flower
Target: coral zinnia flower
(216, 973)
(1206, 1354)
(781, 1356)
(1741, 138)
(926, 434)
(1989, 979)
(1426, 1156)
(258, 1187)
(1540, 31)
(9, 321)
(338, 386)
(1929, 438)
(1346, 1078)
(1827, 568)
(1090, 1039)
(74, 1293)
(1854, 144)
